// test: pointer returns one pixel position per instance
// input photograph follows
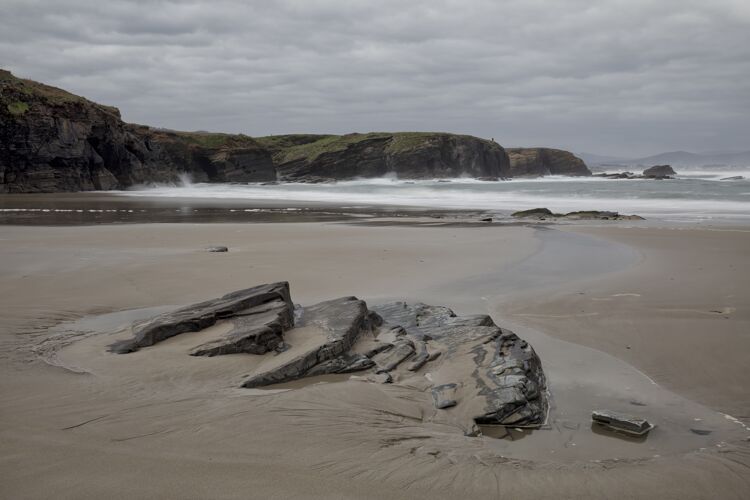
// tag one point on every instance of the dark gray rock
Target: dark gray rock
(256, 330)
(507, 376)
(734, 178)
(621, 422)
(217, 249)
(342, 321)
(535, 162)
(421, 357)
(659, 172)
(390, 359)
(204, 314)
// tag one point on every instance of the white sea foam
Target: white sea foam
(689, 198)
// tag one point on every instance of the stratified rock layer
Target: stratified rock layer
(260, 315)
(476, 372)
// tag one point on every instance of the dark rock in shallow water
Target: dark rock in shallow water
(545, 213)
(733, 178)
(217, 249)
(659, 172)
(535, 162)
(535, 212)
(204, 314)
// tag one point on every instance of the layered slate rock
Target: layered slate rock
(342, 320)
(503, 385)
(259, 315)
(474, 372)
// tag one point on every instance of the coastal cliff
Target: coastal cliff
(407, 155)
(534, 162)
(53, 141)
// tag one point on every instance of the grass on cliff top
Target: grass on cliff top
(215, 140)
(51, 95)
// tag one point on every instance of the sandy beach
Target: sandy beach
(653, 320)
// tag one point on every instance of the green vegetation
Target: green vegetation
(17, 108)
(212, 140)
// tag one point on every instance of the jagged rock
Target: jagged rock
(535, 162)
(505, 384)
(491, 375)
(343, 321)
(443, 396)
(217, 249)
(232, 306)
(659, 172)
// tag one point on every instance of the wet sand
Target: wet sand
(79, 422)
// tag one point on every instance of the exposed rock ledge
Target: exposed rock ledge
(474, 371)
(546, 213)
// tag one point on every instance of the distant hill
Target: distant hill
(674, 158)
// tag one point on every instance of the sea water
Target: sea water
(692, 195)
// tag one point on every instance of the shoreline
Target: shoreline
(169, 418)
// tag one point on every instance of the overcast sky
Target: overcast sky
(622, 77)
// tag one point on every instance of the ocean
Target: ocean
(693, 195)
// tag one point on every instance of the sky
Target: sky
(615, 77)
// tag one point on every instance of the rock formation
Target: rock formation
(475, 372)
(536, 162)
(546, 213)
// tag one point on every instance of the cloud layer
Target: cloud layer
(627, 77)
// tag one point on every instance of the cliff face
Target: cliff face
(51, 140)
(545, 161)
(408, 155)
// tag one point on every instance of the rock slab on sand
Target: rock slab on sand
(477, 372)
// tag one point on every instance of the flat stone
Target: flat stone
(198, 316)
(443, 396)
(217, 249)
(343, 321)
(622, 422)
(390, 359)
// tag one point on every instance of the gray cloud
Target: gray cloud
(626, 77)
